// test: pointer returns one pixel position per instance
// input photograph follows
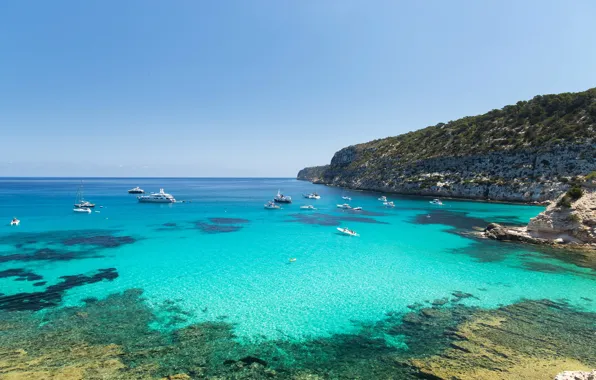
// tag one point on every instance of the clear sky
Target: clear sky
(264, 88)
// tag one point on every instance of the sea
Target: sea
(272, 274)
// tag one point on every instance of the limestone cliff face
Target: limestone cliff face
(526, 152)
(313, 174)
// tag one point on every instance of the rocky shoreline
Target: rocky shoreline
(567, 223)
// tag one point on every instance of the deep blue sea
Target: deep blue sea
(221, 256)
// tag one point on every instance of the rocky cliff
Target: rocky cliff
(524, 152)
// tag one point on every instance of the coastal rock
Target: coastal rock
(576, 223)
(576, 375)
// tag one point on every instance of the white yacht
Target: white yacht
(82, 210)
(389, 204)
(312, 196)
(345, 206)
(383, 199)
(15, 222)
(347, 231)
(436, 202)
(346, 198)
(136, 190)
(272, 206)
(280, 198)
(307, 207)
(161, 197)
(357, 209)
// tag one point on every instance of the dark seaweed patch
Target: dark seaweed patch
(20, 274)
(169, 224)
(22, 239)
(228, 220)
(460, 220)
(49, 254)
(216, 228)
(53, 294)
(330, 220)
(40, 283)
(103, 241)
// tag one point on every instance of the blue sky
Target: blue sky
(263, 88)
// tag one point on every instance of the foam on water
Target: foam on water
(239, 270)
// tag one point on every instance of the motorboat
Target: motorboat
(347, 231)
(80, 201)
(383, 199)
(436, 201)
(161, 197)
(357, 209)
(346, 198)
(312, 196)
(272, 206)
(389, 204)
(280, 198)
(82, 210)
(307, 207)
(345, 206)
(15, 222)
(136, 190)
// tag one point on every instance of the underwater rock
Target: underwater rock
(104, 241)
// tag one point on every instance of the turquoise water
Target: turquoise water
(238, 269)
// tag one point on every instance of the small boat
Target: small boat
(80, 202)
(311, 196)
(345, 206)
(292, 259)
(347, 231)
(280, 198)
(436, 201)
(82, 210)
(272, 206)
(307, 207)
(383, 199)
(346, 198)
(136, 190)
(161, 197)
(357, 209)
(389, 204)
(15, 222)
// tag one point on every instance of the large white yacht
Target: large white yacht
(161, 197)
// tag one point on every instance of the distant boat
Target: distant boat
(15, 222)
(161, 197)
(389, 204)
(136, 190)
(436, 201)
(307, 207)
(80, 201)
(280, 198)
(82, 210)
(272, 206)
(345, 206)
(357, 209)
(346, 198)
(347, 231)
(312, 196)
(383, 199)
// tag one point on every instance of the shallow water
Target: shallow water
(222, 257)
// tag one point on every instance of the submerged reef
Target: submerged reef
(112, 339)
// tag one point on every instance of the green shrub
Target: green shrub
(575, 193)
(591, 176)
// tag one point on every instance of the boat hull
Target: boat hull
(149, 200)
